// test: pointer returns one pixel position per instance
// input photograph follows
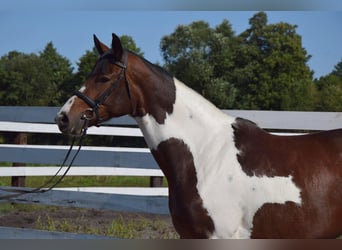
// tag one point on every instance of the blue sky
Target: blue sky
(71, 31)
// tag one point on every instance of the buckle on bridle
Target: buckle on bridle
(93, 111)
(88, 114)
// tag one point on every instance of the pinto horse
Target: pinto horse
(227, 177)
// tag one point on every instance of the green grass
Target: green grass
(10, 207)
(85, 221)
(138, 228)
(6, 207)
(87, 181)
(121, 227)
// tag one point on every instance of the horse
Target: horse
(227, 177)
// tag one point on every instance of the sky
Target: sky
(71, 31)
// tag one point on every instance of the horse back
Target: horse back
(315, 163)
(261, 153)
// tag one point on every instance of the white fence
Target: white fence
(91, 161)
(111, 161)
(95, 161)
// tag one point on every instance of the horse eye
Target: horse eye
(104, 79)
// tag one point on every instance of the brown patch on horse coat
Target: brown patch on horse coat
(156, 86)
(314, 161)
(189, 217)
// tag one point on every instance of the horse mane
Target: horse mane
(153, 67)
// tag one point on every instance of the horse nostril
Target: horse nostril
(62, 121)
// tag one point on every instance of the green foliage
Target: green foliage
(21, 76)
(330, 90)
(33, 80)
(85, 66)
(185, 53)
(129, 43)
(338, 70)
(264, 67)
(272, 71)
(220, 92)
(201, 57)
(59, 71)
(46, 78)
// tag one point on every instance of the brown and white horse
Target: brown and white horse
(227, 177)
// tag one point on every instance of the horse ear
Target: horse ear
(117, 47)
(101, 48)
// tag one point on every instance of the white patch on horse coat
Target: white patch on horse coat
(67, 106)
(230, 196)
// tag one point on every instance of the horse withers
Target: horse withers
(227, 177)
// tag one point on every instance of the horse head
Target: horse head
(106, 92)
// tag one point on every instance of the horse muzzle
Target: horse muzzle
(70, 126)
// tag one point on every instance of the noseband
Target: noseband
(95, 105)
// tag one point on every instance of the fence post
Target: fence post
(19, 181)
(156, 181)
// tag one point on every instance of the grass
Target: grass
(138, 228)
(45, 218)
(89, 221)
(84, 181)
(120, 227)
(20, 208)
(88, 181)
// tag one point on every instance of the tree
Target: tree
(186, 54)
(330, 93)
(330, 90)
(85, 66)
(31, 79)
(265, 67)
(22, 80)
(200, 56)
(271, 68)
(128, 43)
(59, 71)
(338, 69)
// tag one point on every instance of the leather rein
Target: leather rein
(87, 116)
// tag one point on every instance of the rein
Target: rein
(47, 186)
(87, 116)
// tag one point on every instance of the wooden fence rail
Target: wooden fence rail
(95, 160)
(40, 120)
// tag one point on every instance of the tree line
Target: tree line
(265, 67)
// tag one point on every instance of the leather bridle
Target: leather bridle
(87, 116)
(95, 105)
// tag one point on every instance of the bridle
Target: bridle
(86, 116)
(95, 105)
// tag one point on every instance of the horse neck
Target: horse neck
(190, 119)
(153, 90)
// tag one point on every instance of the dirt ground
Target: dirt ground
(89, 221)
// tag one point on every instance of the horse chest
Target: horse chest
(206, 179)
(210, 181)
